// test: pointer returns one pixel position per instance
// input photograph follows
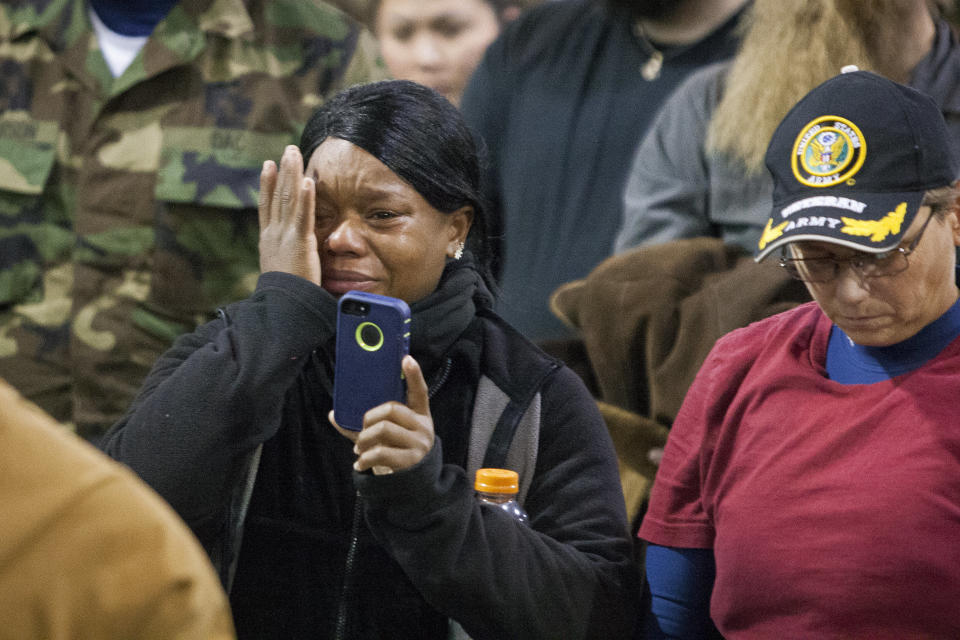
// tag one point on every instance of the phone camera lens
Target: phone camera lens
(355, 307)
(370, 336)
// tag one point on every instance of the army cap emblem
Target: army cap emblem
(829, 150)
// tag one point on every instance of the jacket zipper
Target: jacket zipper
(346, 593)
(447, 367)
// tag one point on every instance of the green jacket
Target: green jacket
(128, 205)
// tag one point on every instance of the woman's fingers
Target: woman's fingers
(286, 209)
(418, 394)
(397, 435)
(393, 436)
(395, 457)
(268, 182)
(288, 184)
(279, 187)
(306, 211)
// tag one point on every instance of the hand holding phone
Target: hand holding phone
(373, 336)
(395, 436)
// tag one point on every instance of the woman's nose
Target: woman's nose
(851, 285)
(345, 237)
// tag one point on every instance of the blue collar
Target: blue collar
(850, 363)
(132, 17)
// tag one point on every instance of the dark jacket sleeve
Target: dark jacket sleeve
(217, 394)
(568, 575)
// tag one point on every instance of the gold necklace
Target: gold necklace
(649, 70)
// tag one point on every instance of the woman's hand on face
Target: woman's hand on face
(287, 211)
(395, 436)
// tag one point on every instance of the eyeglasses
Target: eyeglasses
(865, 265)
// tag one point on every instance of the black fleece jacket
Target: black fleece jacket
(328, 552)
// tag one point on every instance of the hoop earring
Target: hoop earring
(459, 252)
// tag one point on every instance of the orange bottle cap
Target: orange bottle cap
(497, 481)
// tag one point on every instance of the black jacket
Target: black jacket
(415, 549)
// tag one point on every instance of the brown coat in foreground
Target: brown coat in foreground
(88, 551)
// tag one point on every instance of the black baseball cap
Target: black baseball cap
(851, 162)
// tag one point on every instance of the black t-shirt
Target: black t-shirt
(560, 102)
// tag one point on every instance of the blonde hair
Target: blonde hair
(788, 48)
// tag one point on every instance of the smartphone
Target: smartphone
(373, 335)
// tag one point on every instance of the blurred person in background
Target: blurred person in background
(87, 550)
(132, 135)
(438, 43)
(561, 100)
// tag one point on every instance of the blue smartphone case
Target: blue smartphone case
(373, 335)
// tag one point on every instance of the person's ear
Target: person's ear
(458, 226)
(953, 217)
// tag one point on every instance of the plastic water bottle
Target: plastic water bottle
(498, 488)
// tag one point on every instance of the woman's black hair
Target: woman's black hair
(420, 136)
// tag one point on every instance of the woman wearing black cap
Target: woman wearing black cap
(809, 487)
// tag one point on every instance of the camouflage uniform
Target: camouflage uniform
(128, 205)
